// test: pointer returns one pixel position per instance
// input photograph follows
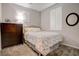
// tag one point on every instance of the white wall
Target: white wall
(0, 28)
(0, 10)
(31, 17)
(70, 34)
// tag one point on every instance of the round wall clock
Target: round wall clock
(72, 19)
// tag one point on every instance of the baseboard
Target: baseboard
(0, 49)
(70, 45)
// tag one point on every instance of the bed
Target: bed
(42, 41)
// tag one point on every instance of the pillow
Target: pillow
(31, 29)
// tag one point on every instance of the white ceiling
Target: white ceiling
(36, 6)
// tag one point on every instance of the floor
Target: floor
(65, 51)
(24, 50)
(19, 50)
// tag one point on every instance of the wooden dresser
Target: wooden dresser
(11, 34)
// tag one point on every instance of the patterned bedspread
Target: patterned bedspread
(43, 40)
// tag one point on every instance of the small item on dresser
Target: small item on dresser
(7, 20)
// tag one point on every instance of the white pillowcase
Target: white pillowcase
(31, 29)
